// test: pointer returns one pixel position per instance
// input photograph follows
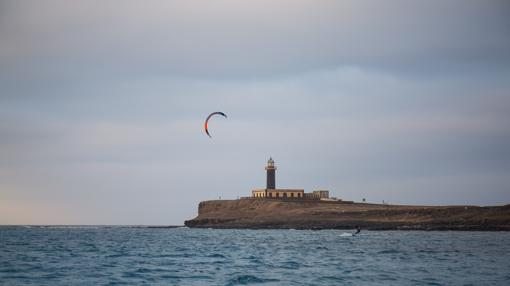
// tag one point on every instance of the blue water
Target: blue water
(143, 256)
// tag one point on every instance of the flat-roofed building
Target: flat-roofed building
(278, 193)
(322, 194)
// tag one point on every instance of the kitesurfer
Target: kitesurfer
(358, 230)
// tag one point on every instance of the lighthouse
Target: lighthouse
(271, 192)
(270, 169)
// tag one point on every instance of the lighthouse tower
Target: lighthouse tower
(270, 169)
(271, 192)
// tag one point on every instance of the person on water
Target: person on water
(358, 230)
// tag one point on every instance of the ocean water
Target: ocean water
(182, 256)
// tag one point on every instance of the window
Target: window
(291, 195)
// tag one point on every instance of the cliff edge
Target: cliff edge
(281, 214)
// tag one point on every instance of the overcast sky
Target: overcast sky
(102, 104)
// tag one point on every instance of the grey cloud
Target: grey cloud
(59, 40)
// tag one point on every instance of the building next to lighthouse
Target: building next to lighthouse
(271, 192)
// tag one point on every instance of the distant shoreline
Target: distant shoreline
(316, 215)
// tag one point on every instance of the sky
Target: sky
(102, 104)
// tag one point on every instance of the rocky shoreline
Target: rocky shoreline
(294, 214)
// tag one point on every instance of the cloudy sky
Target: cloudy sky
(102, 104)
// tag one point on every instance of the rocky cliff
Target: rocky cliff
(267, 213)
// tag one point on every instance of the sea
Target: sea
(119, 255)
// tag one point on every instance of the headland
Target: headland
(303, 214)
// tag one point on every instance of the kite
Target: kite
(207, 121)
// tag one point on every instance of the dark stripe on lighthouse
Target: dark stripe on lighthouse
(271, 184)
